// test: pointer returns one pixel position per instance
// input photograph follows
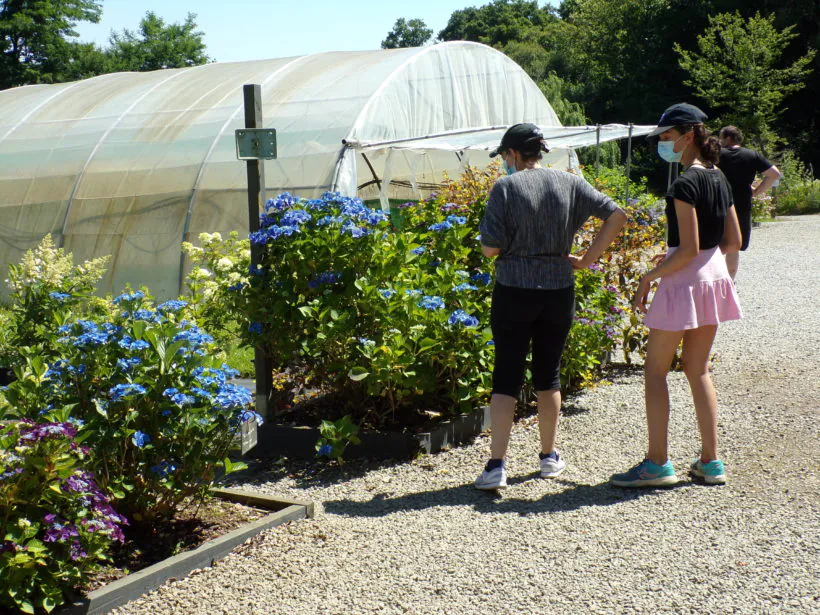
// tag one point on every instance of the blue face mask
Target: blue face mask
(666, 150)
(510, 170)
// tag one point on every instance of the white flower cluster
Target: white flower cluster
(50, 265)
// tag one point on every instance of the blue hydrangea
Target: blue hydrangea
(354, 231)
(199, 391)
(490, 343)
(272, 233)
(171, 306)
(229, 372)
(463, 318)
(375, 216)
(194, 336)
(327, 220)
(464, 286)
(296, 217)
(483, 278)
(140, 439)
(325, 450)
(387, 293)
(327, 277)
(132, 345)
(126, 365)
(254, 270)
(129, 297)
(366, 342)
(231, 396)
(281, 203)
(180, 399)
(237, 287)
(122, 391)
(256, 327)
(413, 293)
(457, 220)
(90, 335)
(418, 251)
(250, 415)
(209, 376)
(164, 469)
(440, 226)
(59, 297)
(147, 316)
(431, 302)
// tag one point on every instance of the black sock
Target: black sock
(492, 464)
(553, 454)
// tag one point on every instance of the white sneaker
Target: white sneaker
(552, 466)
(494, 479)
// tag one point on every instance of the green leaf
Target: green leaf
(357, 374)
(427, 343)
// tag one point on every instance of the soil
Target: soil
(145, 546)
(310, 408)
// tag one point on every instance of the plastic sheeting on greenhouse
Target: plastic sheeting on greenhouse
(133, 164)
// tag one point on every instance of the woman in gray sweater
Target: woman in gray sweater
(529, 226)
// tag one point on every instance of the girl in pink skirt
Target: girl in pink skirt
(695, 294)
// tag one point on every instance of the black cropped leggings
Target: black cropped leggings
(521, 315)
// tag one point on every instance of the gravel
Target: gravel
(417, 538)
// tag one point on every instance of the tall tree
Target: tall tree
(739, 71)
(413, 33)
(34, 37)
(497, 23)
(156, 45)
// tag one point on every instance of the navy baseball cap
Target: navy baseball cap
(678, 115)
(526, 138)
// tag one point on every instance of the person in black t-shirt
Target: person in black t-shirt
(695, 295)
(741, 166)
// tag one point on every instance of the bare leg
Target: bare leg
(660, 350)
(732, 263)
(549, 409)
(502, 411)
(697, 344)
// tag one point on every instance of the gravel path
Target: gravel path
(417, 538)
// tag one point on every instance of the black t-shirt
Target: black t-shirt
(740, 165)
(709, 192)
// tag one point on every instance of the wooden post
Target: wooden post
(597, 150)
(628, 161)
(256, 202)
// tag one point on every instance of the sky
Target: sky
(237, 30)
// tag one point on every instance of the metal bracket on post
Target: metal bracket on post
(628, 161)
(255, 144)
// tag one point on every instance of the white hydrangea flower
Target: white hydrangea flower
(223, 264)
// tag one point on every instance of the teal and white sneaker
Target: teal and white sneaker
(647, 474)
(713, 473)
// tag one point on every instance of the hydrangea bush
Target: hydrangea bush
(56, 526)
(142, 388)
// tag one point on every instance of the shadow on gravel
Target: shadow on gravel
(305, 473)
(575, 496)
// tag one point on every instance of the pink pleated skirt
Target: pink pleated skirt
(702, 293)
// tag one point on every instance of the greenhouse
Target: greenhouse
(133, 164)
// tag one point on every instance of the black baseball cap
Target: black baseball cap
(678, 115)
(525, 137)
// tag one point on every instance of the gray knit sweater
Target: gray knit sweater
(532, 216)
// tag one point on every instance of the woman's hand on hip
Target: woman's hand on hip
(577, 262)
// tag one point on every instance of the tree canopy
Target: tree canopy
(413, 33)
(34, 38)
(738, 70)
